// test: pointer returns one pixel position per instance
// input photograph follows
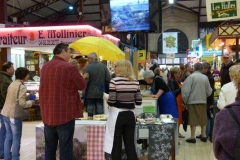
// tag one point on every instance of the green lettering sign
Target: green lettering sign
(224, 9)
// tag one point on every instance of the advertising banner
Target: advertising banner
(48, 36)
(218, 10)
(170, 42)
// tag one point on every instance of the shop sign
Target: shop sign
(48, 36)
(222, 9)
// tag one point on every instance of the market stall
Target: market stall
(89, 137)
(227, 35)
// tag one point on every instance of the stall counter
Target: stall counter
(146, 101)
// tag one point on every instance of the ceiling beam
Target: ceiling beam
(45, 6)
(199, 13)
(33, 8)
(180, 5)
(177, 8)
(197, 7)
(57, 17)
(9, 17)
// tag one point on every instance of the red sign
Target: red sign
(48, 36)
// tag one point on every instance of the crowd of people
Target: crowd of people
(182, 88)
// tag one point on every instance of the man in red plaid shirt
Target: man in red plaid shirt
(59, 102)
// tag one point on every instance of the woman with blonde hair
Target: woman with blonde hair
(226, 130)
(124, 94)
(175, 85)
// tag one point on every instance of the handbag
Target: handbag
(20, 113)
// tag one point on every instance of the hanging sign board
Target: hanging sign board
(48, 36)
(218, 10)
(170, 42)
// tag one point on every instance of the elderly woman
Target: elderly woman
(175, 85)
(159, 88)
(124, 94)
(226, 130)
(14, 126)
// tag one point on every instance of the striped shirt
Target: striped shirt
(124, 93)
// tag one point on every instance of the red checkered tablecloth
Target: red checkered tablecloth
(95, 142)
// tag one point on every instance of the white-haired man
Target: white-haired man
(195, 90)
(97, 76)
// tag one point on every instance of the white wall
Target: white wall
(176, 19)
(17, 58)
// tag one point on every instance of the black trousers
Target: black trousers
(124, 129)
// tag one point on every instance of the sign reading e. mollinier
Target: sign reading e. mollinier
(218, 10)
(48, 36)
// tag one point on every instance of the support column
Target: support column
(237, 48)
(3, 12)
(5, 55)
(81, 10)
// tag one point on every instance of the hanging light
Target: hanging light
(170, 1)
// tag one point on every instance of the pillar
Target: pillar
(81, 10)
(4, 52)
(5, 55)
(237, 48)
(3, 12)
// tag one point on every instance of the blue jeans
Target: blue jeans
(62, 133)
(208, 127)
(2, 135)
(94, 103)
(13, 138)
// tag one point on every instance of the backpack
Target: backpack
(237, 147)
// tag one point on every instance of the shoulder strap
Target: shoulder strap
(18, 91)
(233, 115)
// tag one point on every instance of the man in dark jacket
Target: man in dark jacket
(155, 65)
(5, 80)
(224, 72)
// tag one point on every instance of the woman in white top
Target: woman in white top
(228, 92)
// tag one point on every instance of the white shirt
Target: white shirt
(227, 95)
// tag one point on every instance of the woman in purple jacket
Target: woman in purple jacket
(226, 130)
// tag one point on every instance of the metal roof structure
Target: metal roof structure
(57, 12)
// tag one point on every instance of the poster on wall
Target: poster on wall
(32, 67)
(219, 10)
(169, 41)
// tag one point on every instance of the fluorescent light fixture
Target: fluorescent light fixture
(171, 1)
(70, 7)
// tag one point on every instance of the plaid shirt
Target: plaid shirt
(58, 92)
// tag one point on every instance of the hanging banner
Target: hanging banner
(170, 56)
(170, 42)
(48, 36)
(218, 10)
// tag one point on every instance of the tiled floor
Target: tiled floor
(198, 151)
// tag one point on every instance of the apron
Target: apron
(180, 105)
(110, 128)
(166, 103)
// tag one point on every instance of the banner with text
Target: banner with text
(170, 42)
(218, 10)
(48, 36)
